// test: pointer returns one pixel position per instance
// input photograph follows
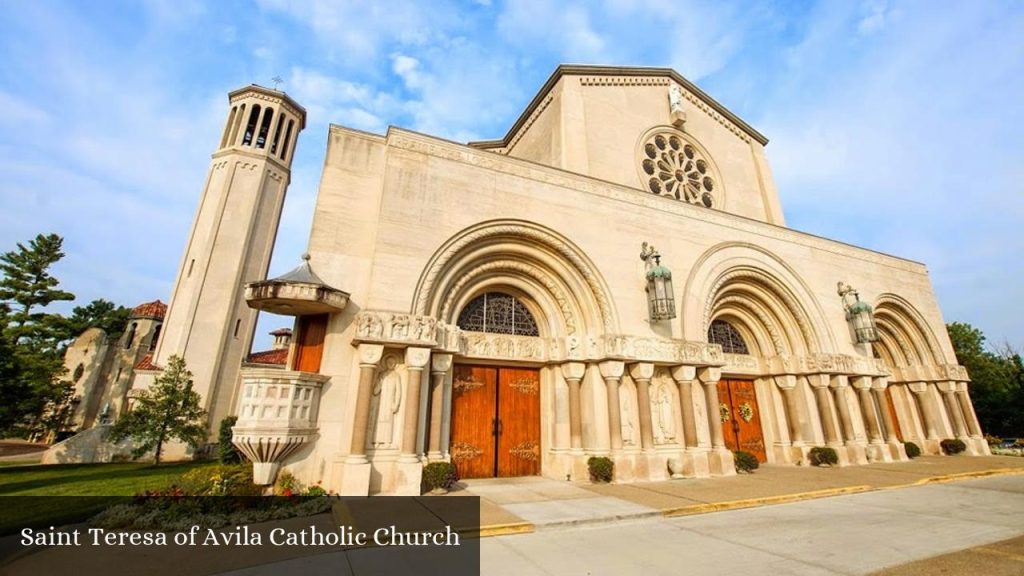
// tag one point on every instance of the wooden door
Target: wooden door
(495, 421)
(518, 422)
(892, 412)
(309, 347)
(474, 405)
(742, 428)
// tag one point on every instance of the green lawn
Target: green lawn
(125, 479)
(34, 483)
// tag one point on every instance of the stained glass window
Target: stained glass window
(721, 332)
(498, 313)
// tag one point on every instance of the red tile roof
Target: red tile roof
(282, 332)
(155, 309)
(274, 357)
(147, 363)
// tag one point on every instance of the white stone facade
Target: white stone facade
(414, 228)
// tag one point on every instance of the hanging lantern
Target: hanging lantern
(859, 314)
(661, 303)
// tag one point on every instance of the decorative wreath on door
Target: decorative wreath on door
(723, 412)
(746, 412)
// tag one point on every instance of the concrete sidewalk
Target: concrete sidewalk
(519, 505)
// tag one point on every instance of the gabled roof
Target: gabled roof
(589, 70)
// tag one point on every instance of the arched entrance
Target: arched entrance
(739, 411)
(495, 426)
(517, 291)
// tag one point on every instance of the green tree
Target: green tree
(99, 313)
(33, 391)
(997, 380)
(169, 410)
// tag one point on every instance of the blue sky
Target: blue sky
(893, 125)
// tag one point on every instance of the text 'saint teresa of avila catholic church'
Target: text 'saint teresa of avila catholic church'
(612, 277)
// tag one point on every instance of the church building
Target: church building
(612, 277)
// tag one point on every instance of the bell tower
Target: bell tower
(231, 241)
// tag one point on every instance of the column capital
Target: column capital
(709, 374)
(417, 358)
(680, 373)
(918, 387)
(370, 354)
(880, 382)
(641, 370)
(861, 382)
(838, 381)
(440, 363)
(946, 387)
(786, 381)
(573, 370)
(612, 369)
(819, 380)
(962, 386)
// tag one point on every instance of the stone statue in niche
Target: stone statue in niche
(664, 415)
(385, 404)
(627, 402)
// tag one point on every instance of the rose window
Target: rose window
(674, 167)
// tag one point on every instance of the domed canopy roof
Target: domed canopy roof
(155, 309)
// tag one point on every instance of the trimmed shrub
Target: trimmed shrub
(913, 450)
(823, 456)
(745, 461)
(952, 446)
(601, 469)
(226, 451)
(220, 480)
(439, 476)
(993, 440)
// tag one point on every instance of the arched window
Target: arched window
(721, 332)
(156, 337)
(130, 338)
(250, 127)
(498, 313)
(268, 119)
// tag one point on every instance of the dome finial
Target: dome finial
(305, 256)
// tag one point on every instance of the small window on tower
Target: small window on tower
(129, 339)
(156, 337)
(238, 326)
(250, 127)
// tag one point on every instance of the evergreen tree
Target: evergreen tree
(32, 390)
(99, 313)
(169, 410)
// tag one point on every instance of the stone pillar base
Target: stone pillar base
(841, 453)
(639, 467)
(721, 463)
(695, 464)
(898, 452)
(879, 453)
(979, 445)
(782, 454)
(408, 478)
(355, 479)
(798, 454)
(857, 454)
(931, 446)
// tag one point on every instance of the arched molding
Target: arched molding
(552, 271)
(752, 283)
(905, 333)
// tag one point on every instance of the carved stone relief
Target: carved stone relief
(385, 405)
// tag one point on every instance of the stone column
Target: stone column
(573, 373)
(968, 409)
(355, 475)
(956, 417)
(416, 360)
(838, 384)
(369, 357)
(867, 407)
(820, 383)
(440, 364)
(928, 408)
(787, 384)
(878, 388)
(720, 459)
(612, 372)
(642, 373)
(684, 377)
